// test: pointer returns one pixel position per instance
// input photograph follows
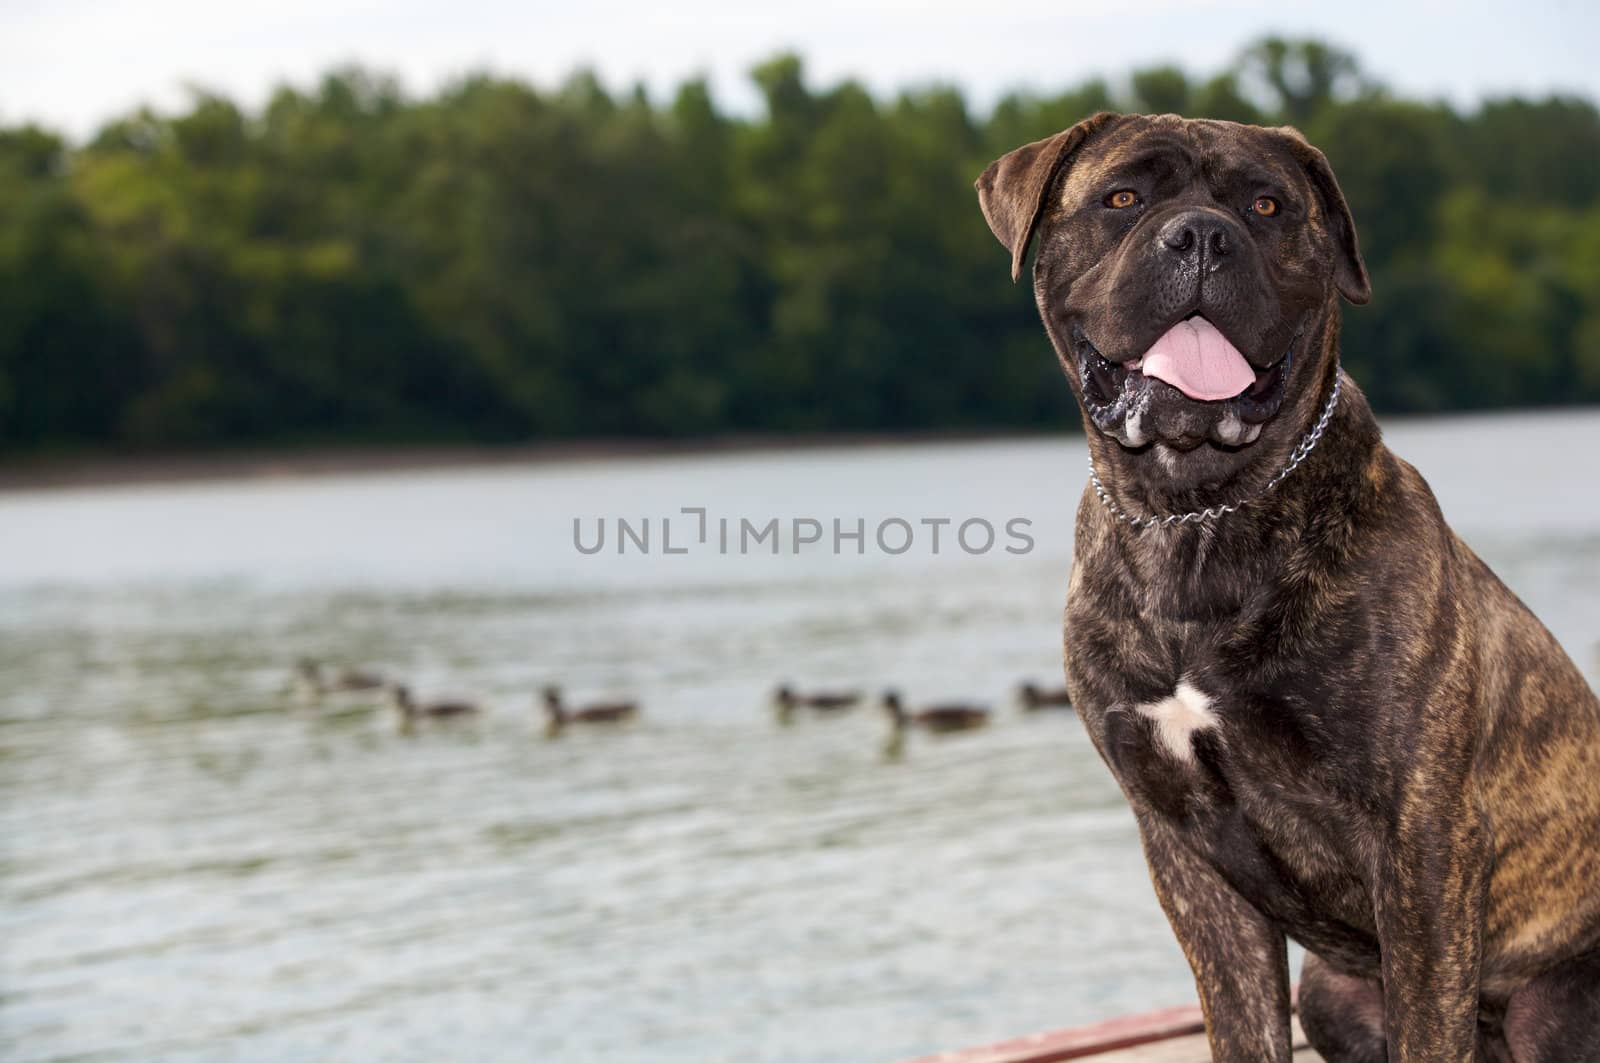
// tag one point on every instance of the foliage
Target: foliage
(498, 262)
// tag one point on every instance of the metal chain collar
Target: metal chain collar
(1301, 452)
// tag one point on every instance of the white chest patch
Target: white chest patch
(1177, 719)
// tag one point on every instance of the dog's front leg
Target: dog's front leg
(1240, 961)
(1429, 905)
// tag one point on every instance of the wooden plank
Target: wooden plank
(1172, 1035)
(1193, 1049)
(1081, 1041)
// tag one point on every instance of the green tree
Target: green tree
(497, 261)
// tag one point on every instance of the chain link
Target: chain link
(1301, 451)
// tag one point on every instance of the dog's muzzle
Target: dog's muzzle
(1136, 409)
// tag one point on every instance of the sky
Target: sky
(73, 64)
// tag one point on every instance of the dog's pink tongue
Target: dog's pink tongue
(1199, 361)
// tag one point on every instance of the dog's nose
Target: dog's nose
(1197, 234)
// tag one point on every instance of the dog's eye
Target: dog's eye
(1265, 206)
(1122, 199)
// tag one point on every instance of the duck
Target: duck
(952, 716)
(411, 710)
(605, 712)
(823, 701)
(315, 679)
(1035, 697)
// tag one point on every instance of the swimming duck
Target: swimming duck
(411, 710)
(937, 718)
(315, 679)
(823, 701)
(599, 712)
(1034, 697)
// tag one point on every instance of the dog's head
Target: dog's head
(1188, 274)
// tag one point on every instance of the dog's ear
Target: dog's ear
(1349, 271)
(1012, 190)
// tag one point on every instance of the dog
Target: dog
(1332, 721)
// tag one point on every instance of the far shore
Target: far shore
(100, 470)
(70, 471)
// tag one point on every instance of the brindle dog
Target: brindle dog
(1332, 721)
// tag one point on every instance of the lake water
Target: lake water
(195, 867)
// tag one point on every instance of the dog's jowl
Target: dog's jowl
(1334, 724)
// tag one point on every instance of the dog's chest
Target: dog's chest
(1200, 739)
(1187, 708)
(1195, 733)
(1241, 772)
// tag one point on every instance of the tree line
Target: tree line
(497, 262)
